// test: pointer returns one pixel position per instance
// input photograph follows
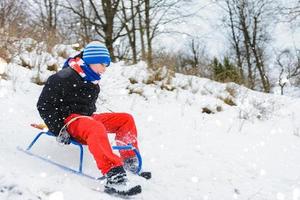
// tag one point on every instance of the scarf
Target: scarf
(84, 70)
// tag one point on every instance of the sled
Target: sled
(75, 143)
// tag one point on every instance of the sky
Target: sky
(207, 26)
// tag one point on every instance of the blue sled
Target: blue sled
(79, 171)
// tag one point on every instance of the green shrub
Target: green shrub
(225, 72)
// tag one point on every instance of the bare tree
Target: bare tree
(236, 39)
(47, 19)
(12, 17)
(158, 14)
(128, 17)
(123, 49)
(195, 50)
(112, 20)
(291, 11)
(248, 21)
(195, 57)
(85, 26)
(103, 17)
(77, 28)
(289, 64)
(13, 25)
(141, 29)
(148, 33)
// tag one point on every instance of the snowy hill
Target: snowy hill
(248, 147)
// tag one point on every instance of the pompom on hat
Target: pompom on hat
(96, 53)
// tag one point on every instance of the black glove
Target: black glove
(64, 137)
(131, 164)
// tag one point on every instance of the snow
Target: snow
(247, 151)
(3, 65)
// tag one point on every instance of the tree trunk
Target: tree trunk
(86, 37)
(261, 70)
(236, 43)
(148, 34)
(141, 29)
(247, 41)
(134, 54)
(195, 54)
(130, 30)
(108, 26)
(259, 60)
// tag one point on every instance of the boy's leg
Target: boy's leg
(93, 133)
(123, 125)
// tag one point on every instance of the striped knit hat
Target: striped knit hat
(96, 53)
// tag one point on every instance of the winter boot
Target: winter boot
(117, 183)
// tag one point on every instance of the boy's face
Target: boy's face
(98, 68)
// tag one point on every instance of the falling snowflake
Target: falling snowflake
(150, 118)
(280, 196)
(262, 172)
(56, 196)
(195, 179)
(296, 194)
(43, 174)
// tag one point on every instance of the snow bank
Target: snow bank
(238, 151)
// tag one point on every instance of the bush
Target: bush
(229, 101)
(207, 110)
(225, 72)
(162, 76)
(231, 90)
(164, 59)
(133, 81)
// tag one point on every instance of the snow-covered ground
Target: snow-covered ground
(247, 151)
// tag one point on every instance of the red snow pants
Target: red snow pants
(93, 131)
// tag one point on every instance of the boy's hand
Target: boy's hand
(64, 137)
(39, 126)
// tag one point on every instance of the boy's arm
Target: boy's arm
(49, 104)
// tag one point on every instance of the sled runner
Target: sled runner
(74, 142)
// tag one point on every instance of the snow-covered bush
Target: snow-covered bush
(136, 89)
(253, 107)
(161, 76)
(19, 76)
(30, 54)
(33, 55)
(145, 82)
(230, 94)
(228, 100)
(210, 110)
(232, 89)
(35, 60)
(65, 51)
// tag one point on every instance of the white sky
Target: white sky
(207, 27)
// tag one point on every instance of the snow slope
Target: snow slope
(247, 151)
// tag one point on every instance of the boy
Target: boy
(67, 106)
